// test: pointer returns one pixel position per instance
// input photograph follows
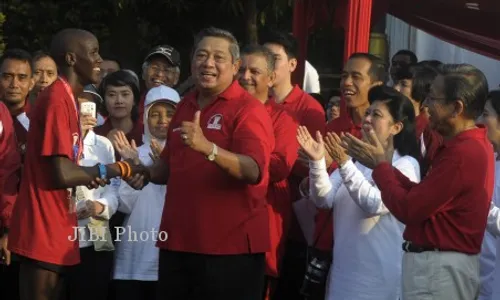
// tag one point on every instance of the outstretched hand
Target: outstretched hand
(369, 152)
(314, 149)
(126, 149)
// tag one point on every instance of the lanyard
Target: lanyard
(78, 143)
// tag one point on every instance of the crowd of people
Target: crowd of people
(243, 185)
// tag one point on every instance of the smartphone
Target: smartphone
(88, 108)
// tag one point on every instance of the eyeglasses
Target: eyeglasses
(166, 71)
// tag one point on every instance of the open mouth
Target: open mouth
(349, 93)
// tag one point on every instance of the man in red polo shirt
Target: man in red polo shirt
(307, 112)
(216, 163)
(256, 75)
(16, 81)
(42, 223)
(445, 214)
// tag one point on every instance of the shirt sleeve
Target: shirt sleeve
(365, 193)
(286, 149)
(323, 188)
(10, 163)
(57, 136)
(253, 136)
(414, 203)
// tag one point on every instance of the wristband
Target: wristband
(128, 169)
(103, 173)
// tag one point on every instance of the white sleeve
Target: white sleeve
(323, 188)
(493, 223)
(128, 197)
(365, 193)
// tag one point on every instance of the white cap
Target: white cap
(162, 92)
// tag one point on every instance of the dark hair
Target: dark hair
(411, 54)
(18, 54)
(285, 40)
(494, 98)
(466, 83)
(112, 58)
(401, 110)
(39, 55)
(422, 78)
(120, 78)
(234, 48)
(263, 52)
(377, 69)
(318, 97)
(430, 63)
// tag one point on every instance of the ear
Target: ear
(70, 59)
(272, 78)
(236, 67)
(292, 64)
(396, 128)
(458, 108)
(32, 83)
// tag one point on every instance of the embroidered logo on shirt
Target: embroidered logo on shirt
(214, 122)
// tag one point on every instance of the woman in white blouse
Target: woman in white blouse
(490, 255)
(367, 253)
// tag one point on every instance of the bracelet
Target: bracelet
(122, 168)
(128, 169)
(103, 174)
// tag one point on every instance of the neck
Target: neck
(73, 81)
(282, 91)
(15, 108)
(459, 128)
(358, 113)
(416, 106)
(263, 98)
(124, 124)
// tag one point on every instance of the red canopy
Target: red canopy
(467, 23)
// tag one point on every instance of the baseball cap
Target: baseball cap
(172, 55)
(162, 92)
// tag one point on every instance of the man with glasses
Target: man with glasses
(161, 67)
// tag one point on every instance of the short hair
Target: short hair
(431, 63)
(467, 83)
(113, 58)
(411, 54)
(422, 78)
(285, 40)
(234, 48)
(494, 98)
(263, 52)
(18, 54)
(377, 69)
(121, 78)
(39, 55)
(401, 110)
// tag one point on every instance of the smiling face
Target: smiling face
(87, 63)
(159, 117)
(255, 77)
(159, 71)
(379, 117)
(119, 101)
(355, 82)
(213, 68)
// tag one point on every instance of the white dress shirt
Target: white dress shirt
(137, 258)
(367, 253)
(311, 79)
(490, 255)
(98, 149)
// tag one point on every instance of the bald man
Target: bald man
(43, 219)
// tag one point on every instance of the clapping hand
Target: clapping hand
(156, 150)
(315, 150)
(368, 152)
(334, 148)
(125, 149)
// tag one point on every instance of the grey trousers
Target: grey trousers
(440, 276)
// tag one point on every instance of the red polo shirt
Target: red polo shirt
(278, 194)
(41, 224)
(307, 112)
(206, 210)
(134, 134)
(10, 162)
(429, 142)
(449, 208)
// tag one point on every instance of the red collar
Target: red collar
(232, 92)
(478, 133)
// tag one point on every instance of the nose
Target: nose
(14, 82)
(346, 81)
(43, 78)
(368, 119)
(209, 61)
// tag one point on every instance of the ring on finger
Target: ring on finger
(184, 136)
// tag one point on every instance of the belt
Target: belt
(410, 247)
